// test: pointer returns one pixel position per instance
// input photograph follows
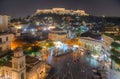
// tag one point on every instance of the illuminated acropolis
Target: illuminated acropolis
(62, 11)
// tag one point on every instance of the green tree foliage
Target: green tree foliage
(49, 43)
(115, 53)
(114, 44)
(32, 50)
(35, 48)
(112, 36)
(116, 59)
(1, 63)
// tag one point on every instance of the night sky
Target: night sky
(21, 8)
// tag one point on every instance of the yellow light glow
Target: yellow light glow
(16, 43)
(95, 56)
(51, 27)
(18, 26)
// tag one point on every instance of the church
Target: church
(23, 67)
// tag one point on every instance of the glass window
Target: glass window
(0, 39)
(0, 48)
(22, 64)
(6, 38)
(22, 76)
(15, 65)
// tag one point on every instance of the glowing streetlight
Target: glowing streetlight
(44, 29)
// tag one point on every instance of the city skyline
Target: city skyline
(59, 39)
(20, 8)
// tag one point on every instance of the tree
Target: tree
(28, 17)
(35, 48)
(49, 43)
(115, 53)
(114, 44)
(114, 58)
(78, 34)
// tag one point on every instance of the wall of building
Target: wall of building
(91, 44)
(6, 72)
(54, 36)
(107, 42)
(5, 41)
(3, 23)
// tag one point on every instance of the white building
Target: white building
(3, 23)
(58, 34)
(91, 44)
(5, 41)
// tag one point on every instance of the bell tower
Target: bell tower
(18, 64)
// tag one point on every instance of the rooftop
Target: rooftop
(59, 33)
(96, 36)
(8, 64)
(89, 38)
(3, 53)
(56, 29)
(31, 60)
(18, 49)
(4, 33)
